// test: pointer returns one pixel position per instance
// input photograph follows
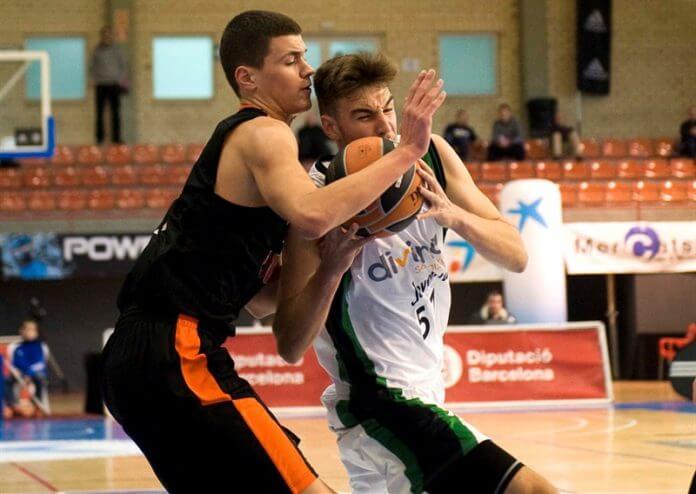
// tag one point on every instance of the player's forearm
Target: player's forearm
(299, 319)
(341, 200)
(496, 240)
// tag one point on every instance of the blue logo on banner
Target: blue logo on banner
(646, 242)
(469, 252)
(528, 211)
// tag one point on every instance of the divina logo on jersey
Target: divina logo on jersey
(389, 264)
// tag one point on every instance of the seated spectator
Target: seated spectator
(461, 136)
(27, 362)
(507, 140)
(564, 139)
(687, 143)
(312, 141)
(493, 311)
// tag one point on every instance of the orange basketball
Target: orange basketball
(397, 207)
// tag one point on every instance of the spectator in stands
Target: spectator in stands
(107, 71)
(507, 140)
(564, 139)
(312, 141)
(27, 361)
(493, 311)
(687, 144)
(461, 136)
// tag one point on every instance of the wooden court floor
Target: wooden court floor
(645, 444)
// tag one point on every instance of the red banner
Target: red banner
(483, 366)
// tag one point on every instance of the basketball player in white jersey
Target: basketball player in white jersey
(381, 337)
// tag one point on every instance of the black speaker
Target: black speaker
(594, 46)
(541, 112)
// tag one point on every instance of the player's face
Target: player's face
(366, 113)
(284, 79)
(29, 331)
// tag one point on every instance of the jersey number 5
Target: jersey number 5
(423, 320)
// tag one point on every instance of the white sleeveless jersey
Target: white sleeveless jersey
(386, 324)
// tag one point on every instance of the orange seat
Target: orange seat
(94, 175)
(27, 162)
(629, 169)
(592, 193)
(664, 147)
(601, 169)
(124, 175)
(682, 168)
(13, 201)
(668, 347)
(614, 148)
(130, 199)
(41, 200)
(521, 169)
(692, 190)
(177, 175)
(492, 191)
(66, 177)
(10, 178)
(119, 154)
(493, 172)
(646, 191)
(89, 155)
(174, 154)
(63, 155)
(38, 177)
(193, 151)
(161, 198)
(619, 193)
(575, 170)
(658, 168)
(640, 148)
(474, 170)
(153, 175)
(550, 170)
(72, 200)
(569, 194)
(589, 148)
(146, 154)
(101, 199)
(672, 191)
(537, 149)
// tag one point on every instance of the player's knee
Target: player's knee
(527, 481)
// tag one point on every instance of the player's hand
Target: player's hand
(441, 209)
(425, 96)
(339, 248)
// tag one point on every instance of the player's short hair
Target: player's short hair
(343, 75)
(247, 38)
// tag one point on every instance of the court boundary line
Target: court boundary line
(35, 477)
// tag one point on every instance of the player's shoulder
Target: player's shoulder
(258, 136)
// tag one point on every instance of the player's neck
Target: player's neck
(269, 109)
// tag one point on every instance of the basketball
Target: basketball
(397, 207)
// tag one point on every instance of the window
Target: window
(67, 67)
(468, 64)
(182, 67)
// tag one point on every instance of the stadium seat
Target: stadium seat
(492, 191)
(618, 193)
(130, 199)
(614, 148)
(161, 198)
(193, 151)
(575, 170)
(672, 191)
(494, 172)
(589, 148)
(119, 154)
(72, 199)
(537, 149)
(37, 177)
(28, 162)
(152, 175)
(569, 194)
(592, 193)
(41, 200)
(550, 170)
(124, 175)
(521, 169)
(13, 201)
(146, 154)
(10, 178)
(177, 175)
(692, 190)
(89, 155)
(645, 191)
(173, 154)
(629, 168)
(640, 148)
(664, 147)
(657, 168)
(682, 168)
(602, 170)
(474, 170)
(63, 156)
(66, 177)
(101, 199)
(94, 175)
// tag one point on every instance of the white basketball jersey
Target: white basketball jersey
(386, 324)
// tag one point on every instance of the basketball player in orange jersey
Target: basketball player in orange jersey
(167, 380)
(382, 337)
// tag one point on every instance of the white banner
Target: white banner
(465, 264)
(630, 247)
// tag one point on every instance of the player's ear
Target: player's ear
(328, 123)
(245, 78)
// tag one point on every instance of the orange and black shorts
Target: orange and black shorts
(175, 391)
